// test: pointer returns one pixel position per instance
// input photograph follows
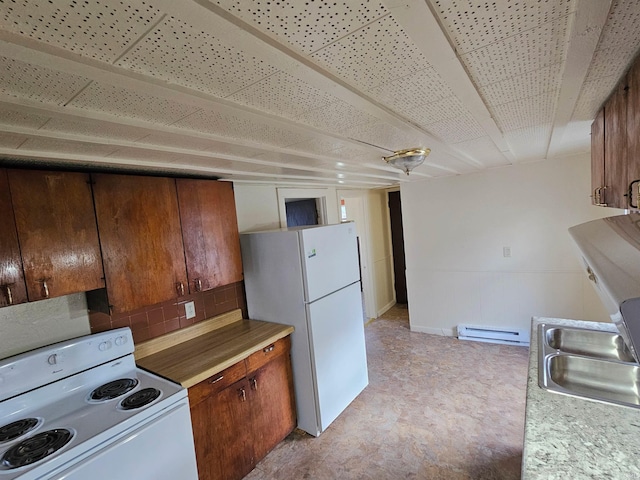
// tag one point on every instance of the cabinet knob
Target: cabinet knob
(242, 394)
(269, 348)
(180, 288)
(254, 383)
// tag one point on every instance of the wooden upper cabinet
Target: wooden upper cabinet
(597, 159)
(615, 149)
(57, 232)
(12, 287)
(139, 225)
(633, 135)
(210, 233)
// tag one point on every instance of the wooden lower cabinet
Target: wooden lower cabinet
(243, 412)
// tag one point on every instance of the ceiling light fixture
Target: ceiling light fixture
(407, 160)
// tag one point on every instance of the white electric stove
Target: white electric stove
(81, 409)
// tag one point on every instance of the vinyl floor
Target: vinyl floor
(435, 408)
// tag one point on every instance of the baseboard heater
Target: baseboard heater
(504, 335)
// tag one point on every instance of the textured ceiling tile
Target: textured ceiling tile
(419, 88)
(236, 150)
(529, 143)
(473, 24)
(378, 53)
(526, 112)
(307, 26)
(180, 54)
(483, 150)
(336, 117)
(282, 95)
(423, 115)
(319, 146)
(23, 80)
(530, 50)
(130, 104)
(623, 25)
(384, 136)
(100, 30)
(530, 84)
(611, 61)
(215, 123)
(20, 119)
(67, 146)
(592, 96)
(350, 152)
(93, 129)
(458, 129)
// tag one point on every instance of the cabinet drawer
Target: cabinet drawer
(216, 383)
(264, 356)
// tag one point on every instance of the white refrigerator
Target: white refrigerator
(309, 277)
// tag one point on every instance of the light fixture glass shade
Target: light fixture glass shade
(407, 160)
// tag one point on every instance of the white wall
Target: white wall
(455, 229)
(32, 325)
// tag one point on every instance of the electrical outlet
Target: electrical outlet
(506, 252)
(190, 309)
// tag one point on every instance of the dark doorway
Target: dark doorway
(301, 212)
(397, 241)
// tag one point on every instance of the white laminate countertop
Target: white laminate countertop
(574, 438)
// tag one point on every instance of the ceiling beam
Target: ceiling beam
(587, 25)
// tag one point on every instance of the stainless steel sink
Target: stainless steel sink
(591, 343)
(588, 363)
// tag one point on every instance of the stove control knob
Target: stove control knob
(53, 359)
(121, 340)
(105, 345)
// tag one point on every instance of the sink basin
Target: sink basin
(591, 343)
(608, 381)
(587, 363)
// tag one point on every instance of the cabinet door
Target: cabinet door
(615, 150)
(597, 158)
(210, 233)
(633, 136)
(222, 434)
(139, 227)
(273, 403)
(57, 231)
(12, 287)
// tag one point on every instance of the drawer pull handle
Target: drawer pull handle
(254, 383)
(269, 348)
(198, 284)
(216, 380)
(9, 294)
(242, 394)
(45, 288)
(180, 288)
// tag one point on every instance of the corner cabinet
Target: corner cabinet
(57, 233)
(243, 412)
(210, 233)
(140, 236)
(12, 288)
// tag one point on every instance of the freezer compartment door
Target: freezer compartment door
(329, 259)
(338, 351)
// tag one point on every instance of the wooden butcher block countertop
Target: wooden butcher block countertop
(193, 354)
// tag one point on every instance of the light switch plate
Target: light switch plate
(190, 309)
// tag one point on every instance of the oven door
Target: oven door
(160, 449)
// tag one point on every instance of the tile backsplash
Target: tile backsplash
(155, 320)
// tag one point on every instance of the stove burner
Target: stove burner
(140, 398)
(16, 429)
(113, 389)
(36, 448)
